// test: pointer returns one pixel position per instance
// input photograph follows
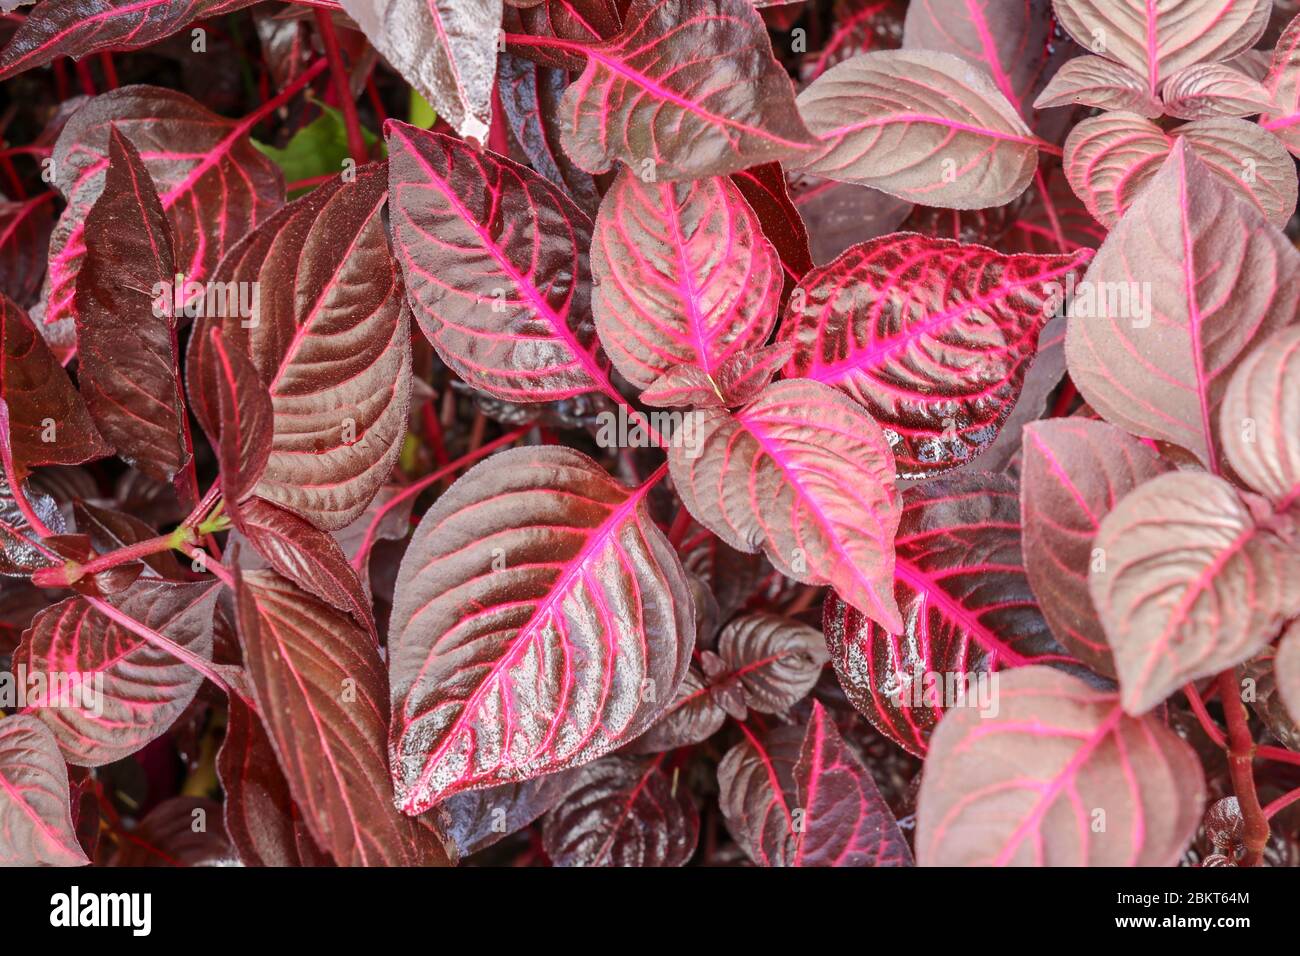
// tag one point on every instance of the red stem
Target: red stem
(13, 478)
(1281, 803)
(356, 141)
(1241, 758)
(110, 70)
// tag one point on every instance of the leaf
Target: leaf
(1261, 417)
(530, 95)
(493, 259)
(1207, 90)
(586, 21)
(931, 336)
(58, 28)
(1053, 220)
(121, 691)
(800, 797)
(21, 550)
(686, 90)
(775, 660)
(109, 530)
(319, 148)
(24, 241)
(244, 410)
(738, 380)
(968, 612)
(923, 126)
(168, 836)
(693, 716)
(1282, 81)
(1194, 582)
(213, 184)
(1287, 668)
(127, 343)
(321, 689)
(305, 555)
(860, 26)
(622, 812)
(838, 215)
(1025, 787)
(805, 474)
(331, 343)
(34, 798)
(1154, 356)
(540, 620)
(475, 819)
(48, 420)
(1097, 82)
(1110, 159)
(446, 50)
(1073, 474)
(1157, 40)
(683, 275)
(764, 188)
(732, 576)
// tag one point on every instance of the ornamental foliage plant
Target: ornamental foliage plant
(649, 433)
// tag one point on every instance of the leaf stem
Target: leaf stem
(356, 141)
(69, 573)
(1281, 803)
(1241, 758)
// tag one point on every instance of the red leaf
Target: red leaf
(967, 608)
(540, 620)
(1157, 363)
(321, 689)
(1196, 579)
(1282, 81)
(24, 241)
(686, 90)
(245, 416)
(622, 812)
(1060, 777)
(213, 184)
(144, 688)
(58, 28)
(683, 275)
(805, 474)
(860, 27)
(21, 550)
(494, 265)
(127, 342)
(764, 188)
(181, 831)
(1261, 417)
(331, 343)
(446, 50)
(476, 819)
(693, 716)
(34, 798)
(586, 21)
(109, 530)
(932, 336)
(839, 215)
(1073, 474)
(48, 420)
(1098, 82)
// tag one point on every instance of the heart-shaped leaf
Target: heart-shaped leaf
(1261, 408)
(580, 630)
(805, 474)
(122, 691)
(1097, 82)
(48, 420)
(321, 689)
(923, 126)
(683, 274)
(126, 338)
(967, 608)
(775, 660)
(799, 797)
(1156, 40)
(504, 299)
(331, 343)
(1074, 472)
(446, 50)
(1060, 777)
(932, 336)
(1110, 159)
(57, 28)
(1171, 301)
(1207, 90)
(687, 89)
(34, 798)
(622, 812)
(1195, 580)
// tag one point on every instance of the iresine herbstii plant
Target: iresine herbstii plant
(879, 425)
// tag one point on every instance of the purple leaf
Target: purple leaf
(321, 689)
(967, 608)
(774, 660)
(1207, 90)
(923, 126)
(687, 89)
(21, 550)
(540, 620)
(1097, 82)
(683, 275)
(805, 474)
(180, 831)
(1074, 473)
(1028, 787)
(1195, 579)
(246, 418)
(584, 21)
(24, 241)
(446, 50)
(475, 819)
(1261, 408)
(693, 716)
(493, 256)
(765, 189)
(126, 691)
(838, 215)
(860, 27)
(1282, 81)
(933, 337)
(34, 798)
(1154, 356)
(622, 812)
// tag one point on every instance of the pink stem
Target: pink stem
(356, 141)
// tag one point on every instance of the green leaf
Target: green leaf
(318, 149)
(421, 113)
